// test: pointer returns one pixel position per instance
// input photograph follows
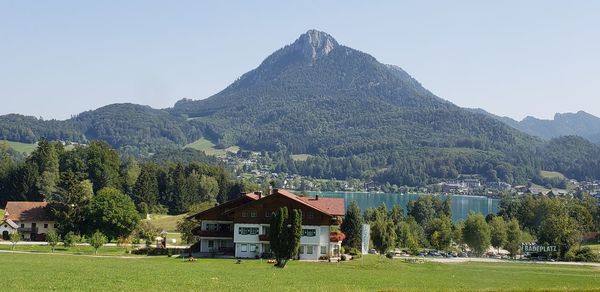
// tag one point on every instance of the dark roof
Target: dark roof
(26, 211)
(221, 209)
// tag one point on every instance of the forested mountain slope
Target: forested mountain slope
(356, 117)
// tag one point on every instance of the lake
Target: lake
(461, 205)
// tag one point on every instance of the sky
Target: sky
(511, 58)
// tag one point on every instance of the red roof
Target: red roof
(331, 206)
(26, 211)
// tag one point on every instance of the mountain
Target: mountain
(568, 124)
(356, 117)
(133, 128)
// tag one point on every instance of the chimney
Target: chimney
(259, 193)
(317, 197)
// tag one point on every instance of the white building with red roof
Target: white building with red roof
(30, 219)
(240, 227)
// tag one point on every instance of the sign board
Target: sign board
(366, 238)
(535, 248)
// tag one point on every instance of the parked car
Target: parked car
(373, 251)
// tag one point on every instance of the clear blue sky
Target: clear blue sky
(513, 58)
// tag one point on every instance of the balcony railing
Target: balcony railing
(264, 237)
(336, 236)
(214, 233)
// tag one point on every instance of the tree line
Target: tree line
(427, 224)
(92, 187)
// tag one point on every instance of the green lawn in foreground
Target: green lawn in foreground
(33, 272)
(78, 250)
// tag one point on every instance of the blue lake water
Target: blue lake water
(461, 205)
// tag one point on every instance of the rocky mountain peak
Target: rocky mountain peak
(315, 44)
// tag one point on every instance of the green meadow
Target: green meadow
(42, 272)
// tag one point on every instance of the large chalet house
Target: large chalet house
(240, 227)
(30, 219)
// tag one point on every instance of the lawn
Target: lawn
(76, 250)
(552, 174)
(166, 222)
(301, 157)
(21, 147)
(38, 272)
(210, 148)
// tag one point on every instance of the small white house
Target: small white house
(30, 219)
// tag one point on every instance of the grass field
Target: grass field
(38, 272)
(301, 157)
(166, 222)
(76, 250)
(21, 147)
(552, 174)
(210, 148)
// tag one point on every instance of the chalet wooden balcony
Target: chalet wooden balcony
(264, 237)
(214, 233)
(336, 236)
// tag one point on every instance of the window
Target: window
(268, 213)
(244, 247)
(309, 249)
(252, 213)
(265, 230)
(309, 232)
(211, 243)
(323, 249)
(301, 249)
(211, 226)
(252, 247)
(248, 231)
(22, 225)
(266, 247)
(244, 213)
(45, 225)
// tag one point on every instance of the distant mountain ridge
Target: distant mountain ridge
(563, 124)
(357, 117)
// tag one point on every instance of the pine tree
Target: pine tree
(352, 226)
(285, 240)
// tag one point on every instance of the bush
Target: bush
(152, 251)
(585, 254)
(342, 250)
(71, 239)
(323, 258)
(389, 255)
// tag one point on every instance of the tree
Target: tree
(498, 232)
(440, 233)
(561, 230)
(145, 191)
(383, 234)
(285, 240)
(147, 231)
(513, 237)
(185, 227)
(52, 238)
(112, 213)
(71, 239)
(476, 233)
(352, 226)
(14, 238)
(407, 237)
(97, 240)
